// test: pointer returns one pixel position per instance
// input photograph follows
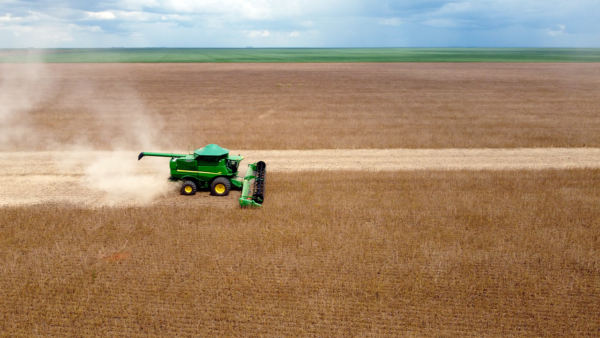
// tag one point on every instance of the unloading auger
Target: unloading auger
(212, 167)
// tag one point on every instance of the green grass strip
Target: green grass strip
(284, 55)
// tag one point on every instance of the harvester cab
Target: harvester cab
(212, 167)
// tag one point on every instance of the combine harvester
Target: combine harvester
(213, 168)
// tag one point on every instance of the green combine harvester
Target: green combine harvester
(213, 168)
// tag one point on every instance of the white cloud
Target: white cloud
(234, 9)
(51, 33)
(456, 7)
(230, 23)
(559, 31)
(259, 34)
(40, 16)
(441, 23)
(141, 16)
(133, 16)
(101, 15)
(390, 22)
(17, 30)
(32, 16)
(137, 5)
(176, 17)
(78, 28)
(56, 36)
(7, 17)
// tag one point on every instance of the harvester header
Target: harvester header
(212, 167)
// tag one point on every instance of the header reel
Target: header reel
(255, 178)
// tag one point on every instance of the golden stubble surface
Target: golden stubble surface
(334, 252)
(331, 254)
(313, 106)
(116, 178)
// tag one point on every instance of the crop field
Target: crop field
(302, 106)
(295, 55)
(353, 254)
(420, 199)
(113, 178)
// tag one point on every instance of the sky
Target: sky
(307, 23)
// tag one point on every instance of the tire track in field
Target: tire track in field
(28, 178)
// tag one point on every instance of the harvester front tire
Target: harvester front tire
(188, 188)
(220, 186)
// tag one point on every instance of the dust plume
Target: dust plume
(124, 181)
(116, 119)
(22, 88)
(121, 117)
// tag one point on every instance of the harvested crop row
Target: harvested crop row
(96, 178)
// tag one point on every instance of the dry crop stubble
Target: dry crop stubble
(115, 178)
(353, 254)
(331, 254)
(380, 105)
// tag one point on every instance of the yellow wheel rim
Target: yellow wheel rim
(188, 189)
(220, 188)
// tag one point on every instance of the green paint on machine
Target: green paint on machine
(212, 167)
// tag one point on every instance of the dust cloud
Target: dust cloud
(120, 177)
(21, 89)
(117, 114)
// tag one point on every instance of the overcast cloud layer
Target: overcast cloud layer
(307, 23)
